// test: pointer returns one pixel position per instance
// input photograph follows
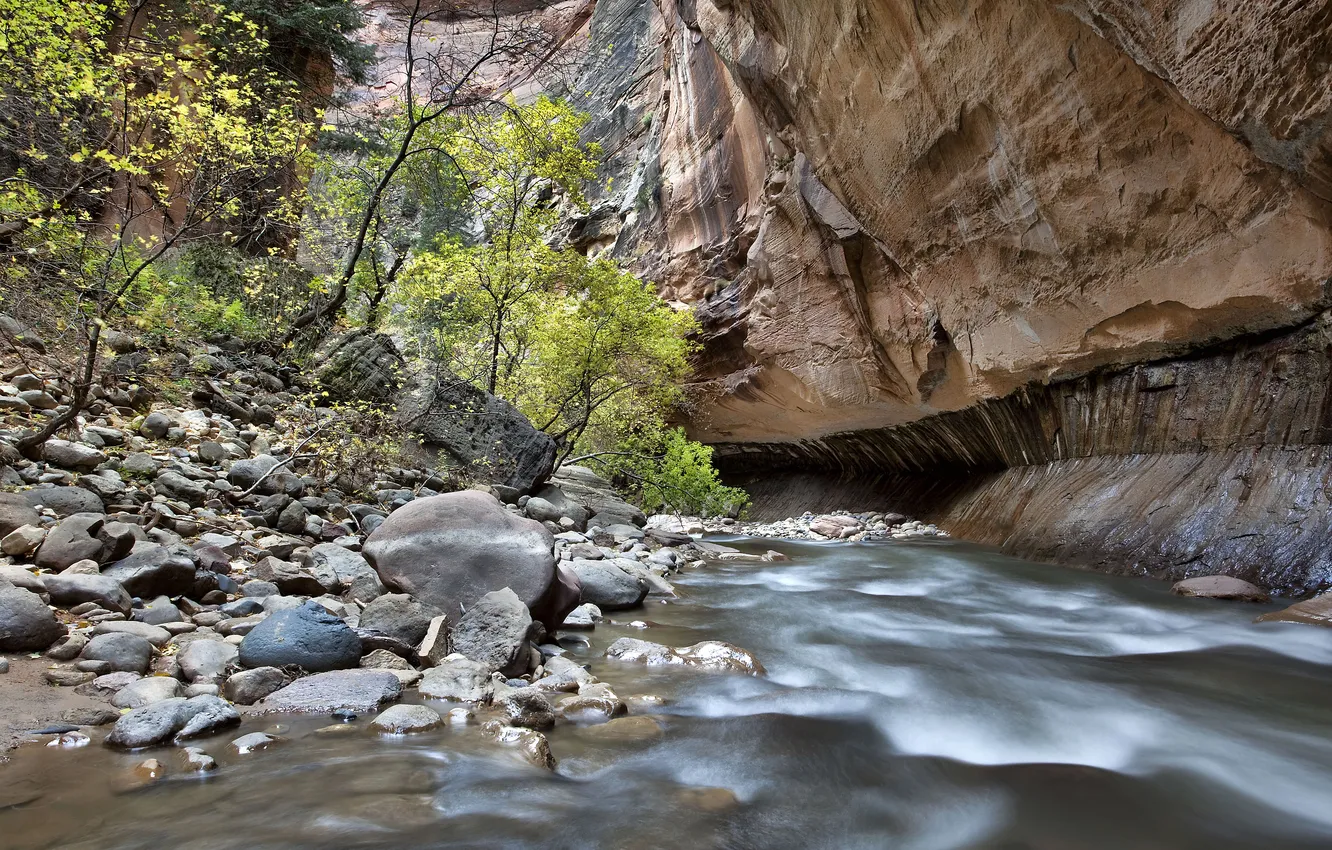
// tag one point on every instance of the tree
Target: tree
(428, 85)
(128, 133)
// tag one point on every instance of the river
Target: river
(924, 696)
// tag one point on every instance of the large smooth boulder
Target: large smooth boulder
(398, 615)
(308, 637)
(26, 624)
(448, 551)
(70, 589)
(146, 691)
(459, 425)
(494, 633)
(69, 455)
(358, 690)
(171, 718)
(154, 571)
(1315, 612)
(607, 586)
(249, 686)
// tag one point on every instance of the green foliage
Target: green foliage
(674, 474)
(350, 443)
(292, 27)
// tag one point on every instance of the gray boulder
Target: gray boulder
(338, 567)
(70, 589)
(125, 653)
(154, 571)
(607, 586)
(460, 425)
(406, 719)
(65, 501)
(249, 686)
(1220, 587)
(289, 577)
(177, 718)
(26, 624)
(159, 611)
(206, 660)
(398, 615)
(16, 512)
(308, 637)
(358, 690)
(146, 691)
(457, 679)
(69, 455)
(247, 473)
(589, 489)
(73, 539)
(494, 633)
(528, 708)
(360, 365)
(448, 551)
(559, 504)
(176, 486)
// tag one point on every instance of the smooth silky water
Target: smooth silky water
(924, 695)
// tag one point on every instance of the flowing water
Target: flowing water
(920, 695)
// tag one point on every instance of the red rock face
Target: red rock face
(985, 195)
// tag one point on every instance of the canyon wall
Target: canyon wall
(1052, 274)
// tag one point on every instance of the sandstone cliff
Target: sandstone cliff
(1068, 260)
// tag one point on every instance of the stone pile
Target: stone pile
(839, 525)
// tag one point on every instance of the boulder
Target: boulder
(607, 586)
(146, 691)
(528, 708)
(16, 512)
(159, 611)
(65, 501)
(530, 744)
(249, 686)
(457, 679)
(565, 593)
(357, 690)
(123, 652)
(67, 590)
(73, 539)
(1220, 587)
(247, 473)
(706, 655)
(67, 455)
(22, 541)
(460, 425)
(1314, 612)
(154, 571)
(26, 624)
(349, 571)
(448, 551)
(589, 489)
(398, 615)
(289, 578)
(360, 365)
(406, 719)
(171, 718)
(434, 647)
(173, 485)
(206, 660)
(308, 637)
(494, 633)
(21, 577)
(156, 635)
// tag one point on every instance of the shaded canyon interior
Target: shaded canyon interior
(1054, 275)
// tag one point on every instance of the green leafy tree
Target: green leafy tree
(128, 133)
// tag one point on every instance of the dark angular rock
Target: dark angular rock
(360, 365)
(73, 539)
(494, 632)
(65, 501)
(308, 637)
(400, 616)
(154, 571)
(26, 624)
(528, 708)
(460, 425)
(67, 590)
(607, 586)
